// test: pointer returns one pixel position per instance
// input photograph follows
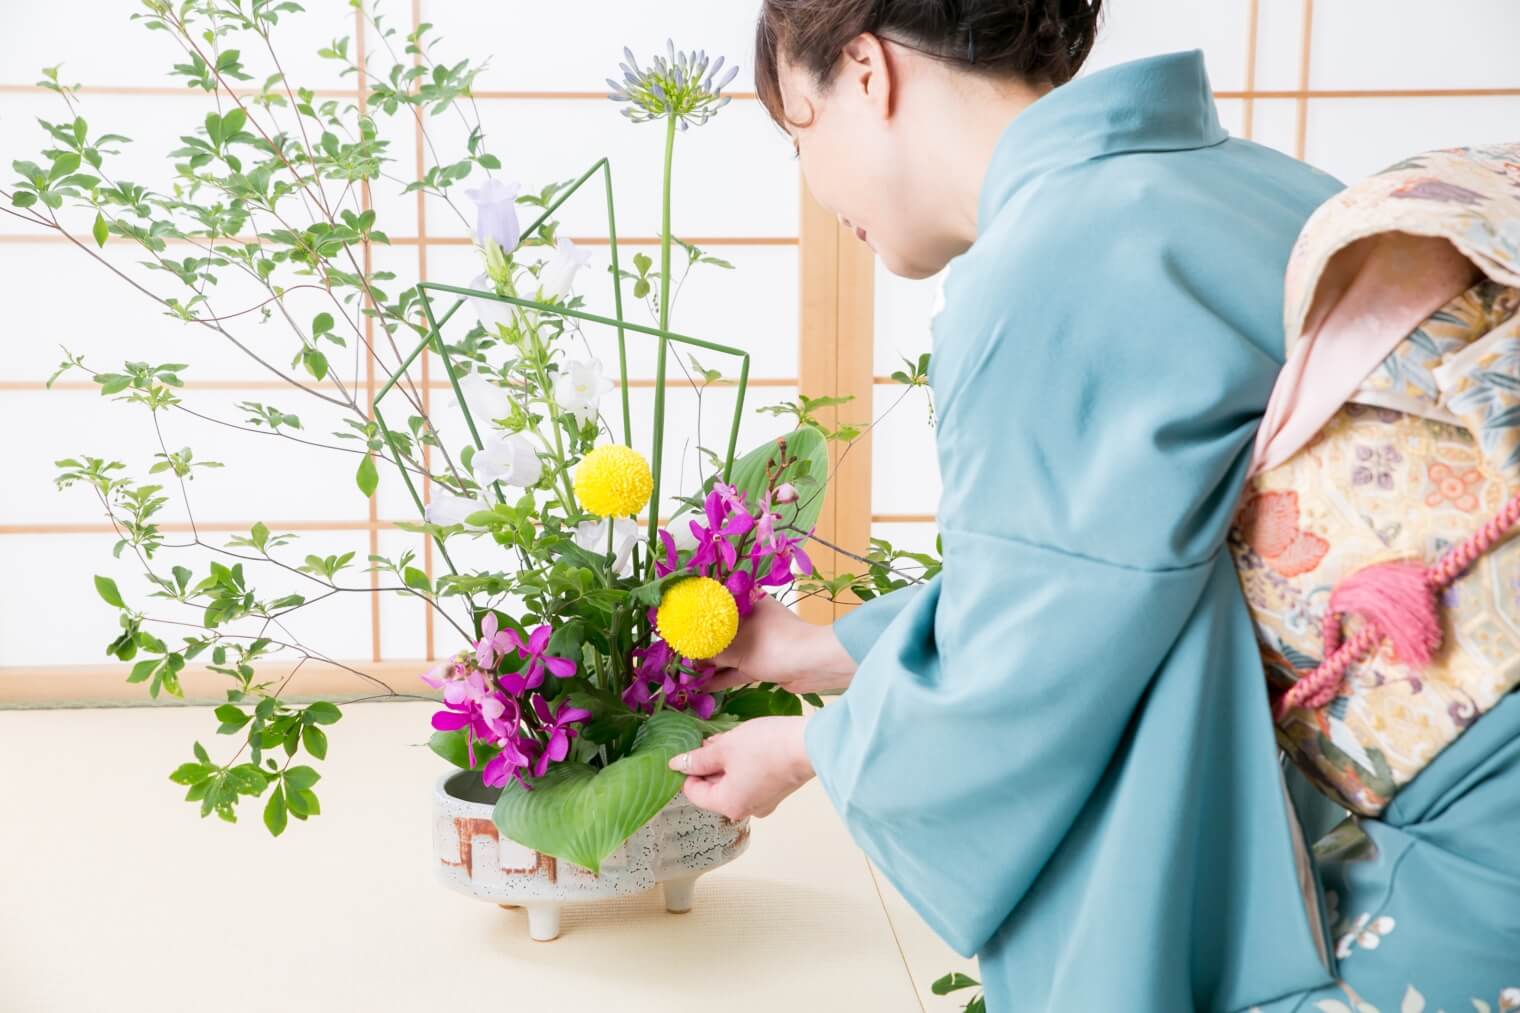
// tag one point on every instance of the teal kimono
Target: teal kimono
(1060, 749)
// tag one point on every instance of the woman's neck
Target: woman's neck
(963, 124)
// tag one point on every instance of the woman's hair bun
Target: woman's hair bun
(1040, 41)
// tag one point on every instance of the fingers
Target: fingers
(715, 794)
(726, 678)
(702, 794)
(703, 762)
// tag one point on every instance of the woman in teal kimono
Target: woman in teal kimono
(1059, 750)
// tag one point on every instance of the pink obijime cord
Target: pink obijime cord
(1399, 601)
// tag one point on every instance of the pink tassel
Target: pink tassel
(1399, 601)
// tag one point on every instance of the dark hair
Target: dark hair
(1039, 41)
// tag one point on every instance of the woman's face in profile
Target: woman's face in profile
(852, 160)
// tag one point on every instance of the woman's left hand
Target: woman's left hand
(747, 770)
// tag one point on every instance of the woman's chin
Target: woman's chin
(906, 267)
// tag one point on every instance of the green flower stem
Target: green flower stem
(659, 372)
(617, 300)
(546, 395)
(670, 150)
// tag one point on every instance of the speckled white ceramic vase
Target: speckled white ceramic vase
(673, 849)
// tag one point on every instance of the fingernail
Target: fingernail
(676, 761)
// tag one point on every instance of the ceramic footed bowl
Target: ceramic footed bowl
(676, 847)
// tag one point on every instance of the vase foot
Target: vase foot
(543, 922)
(679, 893)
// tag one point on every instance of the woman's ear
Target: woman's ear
(865, 73)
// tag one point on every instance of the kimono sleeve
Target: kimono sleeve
(984, 716)
(859, 630)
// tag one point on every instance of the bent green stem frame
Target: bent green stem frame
(664, 336)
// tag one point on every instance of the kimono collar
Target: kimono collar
(1162, 103)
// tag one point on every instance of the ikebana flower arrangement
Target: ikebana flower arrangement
(585, 651)
(583, 657)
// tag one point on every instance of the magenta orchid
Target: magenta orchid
(493, 643)
(741, 584)
(557, 726)
(472, 705)
(651, 676)
(688, 694)
(509, 764)
(660, 676)
(725, 524)
(783, 552)
(666, 566)
(532, 651)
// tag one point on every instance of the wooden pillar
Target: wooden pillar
(836, 353)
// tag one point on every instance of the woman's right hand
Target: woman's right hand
(776, 645)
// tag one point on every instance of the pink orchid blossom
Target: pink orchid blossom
(532, 652)
(688, 694)
(472, 706)
(665, 567)
(741, 584)
(715, 540)
(493, 643)
(508, 765)
(557, 725)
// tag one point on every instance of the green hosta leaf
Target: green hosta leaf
(582, 815)
(810, 450)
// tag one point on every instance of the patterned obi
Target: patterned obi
(1424, 453)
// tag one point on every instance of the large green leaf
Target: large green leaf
(809, 473)
(582, 815)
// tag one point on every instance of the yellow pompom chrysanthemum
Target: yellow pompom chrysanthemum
(613, 481)
(698, 617)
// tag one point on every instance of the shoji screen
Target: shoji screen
(1349, 85)
(543, 104)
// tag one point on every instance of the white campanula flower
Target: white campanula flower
(496, 214)
(510, 459)
(445, 508)
(592, 536)
(485, 399)
(579, 389)
(491, 313)
(559, 274)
